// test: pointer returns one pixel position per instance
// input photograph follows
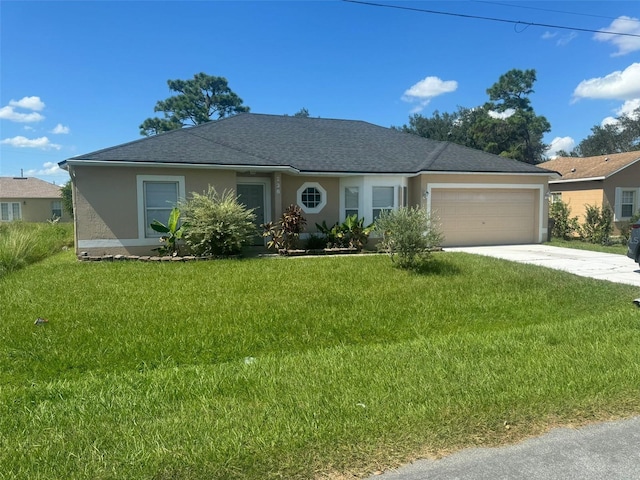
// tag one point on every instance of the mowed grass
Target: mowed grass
(619, 249)
(298, 368)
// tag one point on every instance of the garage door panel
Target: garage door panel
(485, 217)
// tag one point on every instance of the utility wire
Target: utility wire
(552, 11)
(477, 17)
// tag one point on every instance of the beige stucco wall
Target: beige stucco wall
(331, 211)
(37, 209)
(105, 202)
(106, 199)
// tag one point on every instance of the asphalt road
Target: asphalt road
(605, 451)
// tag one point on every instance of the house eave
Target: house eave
(574, 180)
(204, 166)
(281, 168)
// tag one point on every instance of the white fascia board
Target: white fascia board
(574, 180)
(206, 166)
(541, 174)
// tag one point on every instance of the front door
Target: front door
(252, 196)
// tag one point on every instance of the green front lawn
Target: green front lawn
(298, 368)
(580, 245)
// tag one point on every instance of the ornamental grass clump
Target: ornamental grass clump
(24, 243)
(217, 223)
(408, 235)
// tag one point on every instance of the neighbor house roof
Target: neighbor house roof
(575, 169)
(27, 187)
(309, 145)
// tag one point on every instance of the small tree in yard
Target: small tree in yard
(408, 234)
(218, 224)
(564, 226)
(598, 224)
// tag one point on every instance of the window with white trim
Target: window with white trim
(382, 200)
(628, 203)
(10, 211)
(351, 201)
(555, 197)
(56, 209)
(311, 197)
(159, 200)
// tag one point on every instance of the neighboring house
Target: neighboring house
(612, 180)
(330, 168)
(30, 199)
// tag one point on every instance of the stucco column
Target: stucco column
(277, 196)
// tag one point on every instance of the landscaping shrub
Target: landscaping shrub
(408, 234)
(172, 232)
(625, 229)
(351, 233)
(564, 226)
(23, 243)
(315, 242)
(217, 224)
(285, 233)
(598, 224)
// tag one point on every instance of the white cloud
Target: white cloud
(625, 44)
(566, 39)
(60, 129)
(502, 115)
(8, 113)
(561, 40)
(608, 121)
(623, 85)
(34, 104)
(629, 107)
(426, 89)
(560, 143)
(49, 168)
(28, 103)
(42, 143)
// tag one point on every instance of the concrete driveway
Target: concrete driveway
(602, 266)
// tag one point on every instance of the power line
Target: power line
(552, 11)
(493, 19)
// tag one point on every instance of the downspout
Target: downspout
(72, 174)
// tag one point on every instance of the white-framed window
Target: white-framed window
(382, 200)
(351, 201)
(10, 211)
(157, 195)
(628, 203)
(56, 209)
(555, 197)
(311, 197)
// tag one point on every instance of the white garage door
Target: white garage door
(486, 216)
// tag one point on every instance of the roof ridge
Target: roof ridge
(434, 155)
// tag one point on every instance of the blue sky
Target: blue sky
(80, 76)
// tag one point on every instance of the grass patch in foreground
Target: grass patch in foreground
(296, 368)
(580, 245)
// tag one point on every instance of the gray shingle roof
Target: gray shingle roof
(311, 145)
(27, 187)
